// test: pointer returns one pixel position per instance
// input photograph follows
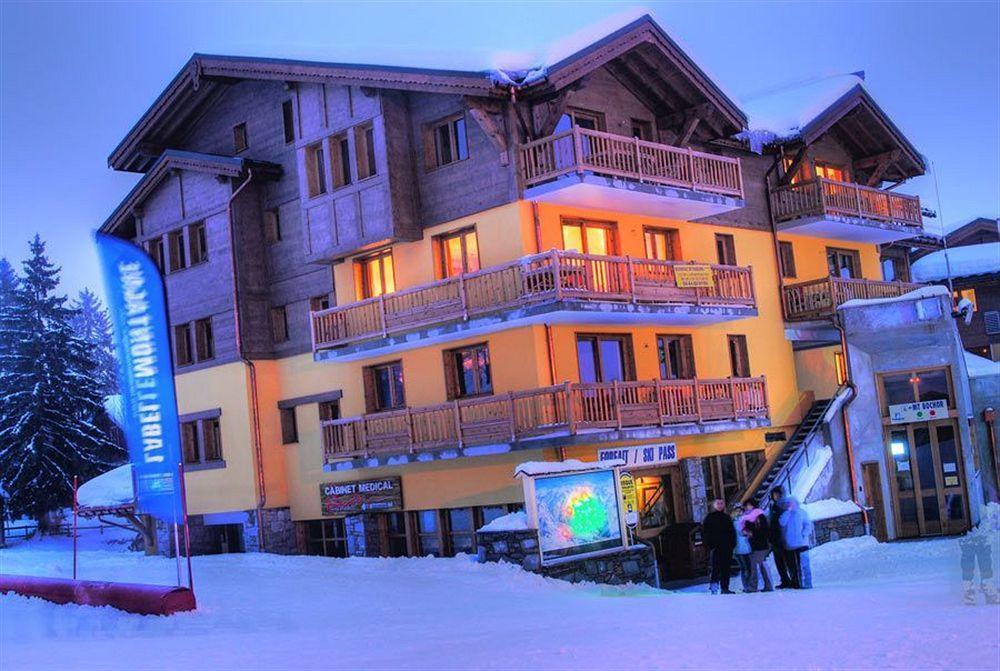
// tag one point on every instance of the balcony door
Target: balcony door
(576, 118)
(843, 262)
(605, 358)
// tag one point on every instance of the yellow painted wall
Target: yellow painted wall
(816, 370)
(810, 257)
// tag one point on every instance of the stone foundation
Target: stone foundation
(234, 532)
(363, 539)
(635, 565)
(835, 528)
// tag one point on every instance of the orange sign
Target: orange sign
(694, 277)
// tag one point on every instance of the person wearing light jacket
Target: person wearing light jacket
(796, 535)
(742, 549)
(757, 531)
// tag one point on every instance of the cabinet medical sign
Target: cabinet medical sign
(643, 455)
(693, 277)
(346, 498)
(904, 413)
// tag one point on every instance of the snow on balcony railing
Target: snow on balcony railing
(818, 299)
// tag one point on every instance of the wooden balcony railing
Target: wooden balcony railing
(566, 408)
(582, 150)
(532, 280)
(820, 196)
(818, 299)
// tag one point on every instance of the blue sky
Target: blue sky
(74, 77)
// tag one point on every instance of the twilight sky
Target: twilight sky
(74, 77)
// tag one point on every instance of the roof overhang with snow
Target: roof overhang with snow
(172, 160)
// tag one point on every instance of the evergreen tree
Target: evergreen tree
(93, 326)
(50, 398)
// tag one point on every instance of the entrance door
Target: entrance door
(872, 482)
(928, 485)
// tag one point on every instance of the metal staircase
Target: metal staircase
(776, 471)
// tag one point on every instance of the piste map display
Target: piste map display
(577, 514)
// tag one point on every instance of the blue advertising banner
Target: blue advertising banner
(149, 404)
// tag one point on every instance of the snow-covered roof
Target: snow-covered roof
(965, 261)
(114, 405)
(916, 294)
(780, 114)
(978, 366)
(108, 490)
(568, 466)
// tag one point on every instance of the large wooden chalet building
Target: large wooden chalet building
(421, 278)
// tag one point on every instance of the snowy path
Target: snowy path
(874, 607)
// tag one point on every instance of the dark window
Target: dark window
(175, 245)
(468, 371)
(377, 276)
(642, 129)
(201, 441)
(272, 226)
(340, 153)
(288, 121)
(190, 444)
(182, 345)
(316, 169)
(279, 324)
(395, 526)
(428, 533)
(211, 432)
(787, 257)
(932, 385)
(461, 530)
(676, 354)
(329, 410)
(728, 475)
(154, 248)
(384, 386)
(604, 358)
(317, 303)
(843, 262)
(450, 141)
(725, 249)
(459, 252)
(898, 388)
(204, 339)
(739, 358)
(289, 426)
(326, 538)
(240, 140)
(662, 244)
(198, 242)
(364, 146)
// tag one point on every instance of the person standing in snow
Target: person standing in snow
(757, 531)
(720, 537)
(742, 550)
(774, 531)
(976, 548)
(796, 532)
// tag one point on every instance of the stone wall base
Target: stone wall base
(234, 532)
(835, 528)
(635, 565)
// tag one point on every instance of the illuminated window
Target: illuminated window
(589, 237)
(468, 371)
(801, 174)
(459, 252)
(830, 171)
(377, 275)
(969, 293)
(662, 244)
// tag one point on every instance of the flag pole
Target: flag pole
(75, 506)
(187, 534)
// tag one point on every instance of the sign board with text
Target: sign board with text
(348, 498)
(694, 277)
(641, 455)
(922, 411)
(630, 501)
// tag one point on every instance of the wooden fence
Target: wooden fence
(583, 150)
(820, 196)
(818, 299)
(566, 408)
(543, 278)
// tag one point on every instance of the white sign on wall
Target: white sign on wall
(923, 411)
(641, 455)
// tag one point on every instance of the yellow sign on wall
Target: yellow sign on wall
(693, 276)
(630, 503)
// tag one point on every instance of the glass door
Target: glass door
(903, 492)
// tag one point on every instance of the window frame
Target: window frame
(725, 246)
(609, 227)
(442, 251)
(840, 253)
(241, 138)
(339, 151)
(195, 430)
(182, 345)
(288, 120)
(176, 250)
(279, 318)
(628, 355)
(372, 397)
(204, 339)
(786, 259)
(365, 263)
(671, 242)
(197, 238)
(156, 250)
(315, 303)
(687, 360)
(453, 376)
(740, 363)
(272, 226)
(289, 425)
(449, 124)
(365, 157)
(316, 169)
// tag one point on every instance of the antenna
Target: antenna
(944, 233)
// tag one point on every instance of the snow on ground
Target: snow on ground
(958, 262)
(875, 606)
(824, 509)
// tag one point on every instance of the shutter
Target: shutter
(687, 357)
(450, 375)
(368, 374)
(992, 320)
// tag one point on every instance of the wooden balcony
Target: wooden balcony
(825, 208)
(566, 409)
(556, 277)
(819, 299)
(682, 183)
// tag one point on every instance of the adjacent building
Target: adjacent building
(388, 286)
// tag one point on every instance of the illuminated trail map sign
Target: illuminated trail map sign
(578, 514)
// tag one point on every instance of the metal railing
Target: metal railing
(532, 280)
(565, 408)
(818, 299)
(820, 196)
(583, 150)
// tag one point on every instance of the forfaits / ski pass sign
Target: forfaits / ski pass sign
(922, 411)
(347, 498)
(641, 455)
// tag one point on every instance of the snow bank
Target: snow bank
(916, 294)
(517, 521)
(980, 366)
(568, 466)
(108, 490)
(964, 261)
(807, 477)
(827, 508)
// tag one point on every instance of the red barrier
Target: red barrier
(130, 597)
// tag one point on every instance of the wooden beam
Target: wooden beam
(489, 115)
(553, 111)
(877, 159)
(635, 84)
(876, 176)
(687, 131)
(786, 179)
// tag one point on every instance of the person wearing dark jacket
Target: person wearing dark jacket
(774, 535)
(719, 536)
(757, 529)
